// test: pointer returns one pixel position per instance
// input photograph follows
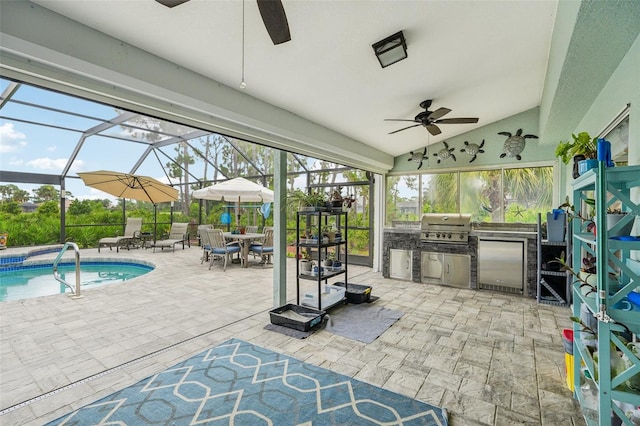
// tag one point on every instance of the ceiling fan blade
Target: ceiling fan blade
(433, 129)
(438, 113)
(457, 120)
(404, 128)
(399, 119)
(172, 3)
(275, 20)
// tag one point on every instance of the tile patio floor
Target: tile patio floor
(488, 358)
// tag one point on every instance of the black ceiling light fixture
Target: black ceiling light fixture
(391, 50)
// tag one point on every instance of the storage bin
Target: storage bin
(555, 226)
(296, 317)
(356, 293)
(330, 295)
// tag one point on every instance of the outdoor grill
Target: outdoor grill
(450, 228)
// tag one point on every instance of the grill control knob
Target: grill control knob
(461, 236)
(449, 236)
(438, 235)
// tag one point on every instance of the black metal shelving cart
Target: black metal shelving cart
(312, 228)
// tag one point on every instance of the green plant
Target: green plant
(582, 144)
(305, 255)
(299, 198)
(571, 211)
(585, 328)
(588, 267)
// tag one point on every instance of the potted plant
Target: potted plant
(328, 261)
(582, 148)
(305, 262)
(336, 199)
(330, 233)
(306, 201)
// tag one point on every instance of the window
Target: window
(499, 195)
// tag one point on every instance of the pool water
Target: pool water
(36, 281)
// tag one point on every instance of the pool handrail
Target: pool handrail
(75, 294)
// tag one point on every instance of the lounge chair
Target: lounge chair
(264, 249)
(177, 235)
(220, 248)
(131, 235)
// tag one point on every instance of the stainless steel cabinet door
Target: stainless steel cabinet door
(501, 263)
(431, 266)
(457, 270)
(400, 264)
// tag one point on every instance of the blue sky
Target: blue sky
(27, 147)
(32, 148)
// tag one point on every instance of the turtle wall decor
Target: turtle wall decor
(445, 153)
(514, 145)
(418, 157)
(473, 149)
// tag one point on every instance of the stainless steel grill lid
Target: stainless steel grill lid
(446, 220)
(445, 228)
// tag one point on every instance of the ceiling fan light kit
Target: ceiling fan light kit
(391, 50)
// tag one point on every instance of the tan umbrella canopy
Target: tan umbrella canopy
(126, 185)
(134, 187)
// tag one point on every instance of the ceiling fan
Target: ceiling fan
(273, 16)
(429, 119)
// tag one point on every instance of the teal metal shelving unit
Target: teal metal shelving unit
(617, 277)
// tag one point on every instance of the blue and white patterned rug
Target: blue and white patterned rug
(238, 383)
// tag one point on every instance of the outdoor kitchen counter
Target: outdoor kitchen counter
(408, 238)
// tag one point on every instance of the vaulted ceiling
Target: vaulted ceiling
(485, 59)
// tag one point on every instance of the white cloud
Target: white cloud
(48, 163)
(77, 166)
(16, 162)
(11, 139)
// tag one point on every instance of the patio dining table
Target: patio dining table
(245, 241)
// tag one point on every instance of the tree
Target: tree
(80, 207)
(48, 208)
(46, 193)
(7, 191)
(179, 169)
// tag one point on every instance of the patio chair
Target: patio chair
(264, 249)
(131, 234)
(205, 242)
(220, 248)
(201, 229)
(252, 229)
(177, 235)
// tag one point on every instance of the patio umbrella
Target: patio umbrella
(135, 187)
(236, 190)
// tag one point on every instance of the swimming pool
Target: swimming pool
(25, 282)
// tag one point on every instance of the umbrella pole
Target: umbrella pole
(155, 223)
(238, 214)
